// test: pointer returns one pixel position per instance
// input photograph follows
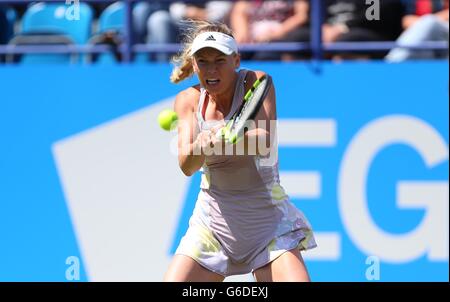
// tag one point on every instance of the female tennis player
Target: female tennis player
(243, 221)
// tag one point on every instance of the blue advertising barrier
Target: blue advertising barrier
(375, 157)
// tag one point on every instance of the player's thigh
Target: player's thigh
(288, 267)
(184, 269)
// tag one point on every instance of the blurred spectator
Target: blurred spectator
(152, 24)
(270, 21)
(214, 11)
(346, 21)
(164, 24)
(426, 20)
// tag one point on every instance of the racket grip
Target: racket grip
(225, 135)
(221, 134)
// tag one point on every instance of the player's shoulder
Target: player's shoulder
(253, 75)
(190, 92)
(259, 73)
(187, 99)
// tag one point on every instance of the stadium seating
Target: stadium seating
(111, 23)
(112, 18)
(52, 23)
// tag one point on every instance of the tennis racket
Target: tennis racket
(253, 99)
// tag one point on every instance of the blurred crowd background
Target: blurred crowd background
(159, 24)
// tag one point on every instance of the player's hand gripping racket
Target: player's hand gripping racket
(253, 99)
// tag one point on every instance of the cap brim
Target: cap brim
(212, 44)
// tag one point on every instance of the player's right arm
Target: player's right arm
(191, 142)
(187, 131)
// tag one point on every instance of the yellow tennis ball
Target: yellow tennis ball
(167, 119)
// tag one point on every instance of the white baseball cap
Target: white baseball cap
(217, 40)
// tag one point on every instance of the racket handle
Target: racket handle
(221, 134)
(225, 135)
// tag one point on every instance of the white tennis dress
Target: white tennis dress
(242, 219)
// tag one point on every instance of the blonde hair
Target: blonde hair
(183, 61)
